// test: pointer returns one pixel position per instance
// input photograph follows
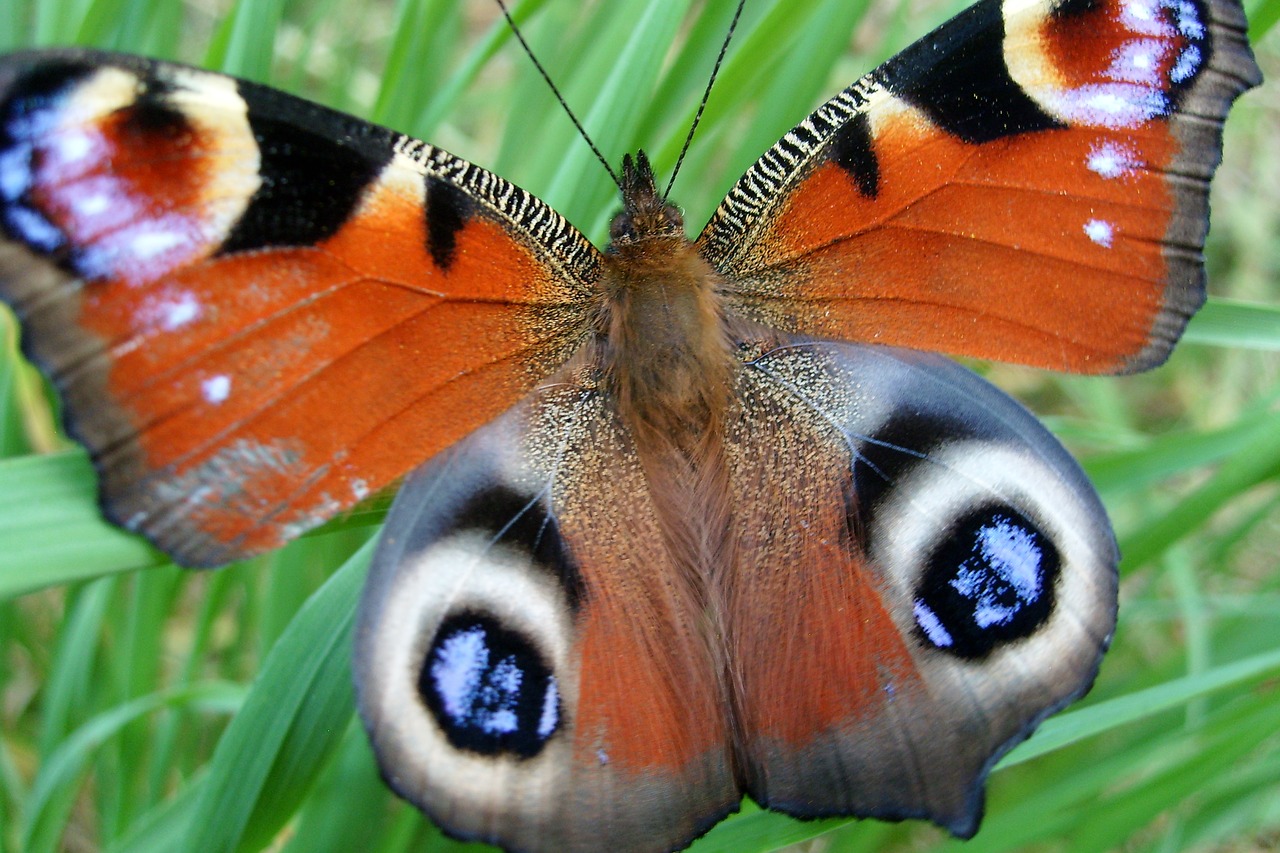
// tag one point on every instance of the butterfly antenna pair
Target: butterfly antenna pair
(693, 127)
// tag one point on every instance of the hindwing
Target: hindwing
(921, 575)
(534, 667)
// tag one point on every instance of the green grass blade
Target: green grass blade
(72, 671)
(1233, 323)
(52, 528)
(52, 795)
(1257, 462)
(245, 43)
(1067, 728)
(291, 721)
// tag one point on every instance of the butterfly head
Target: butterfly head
(645, 213)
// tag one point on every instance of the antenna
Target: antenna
(559, 97)
(693, 127)
(706, 93)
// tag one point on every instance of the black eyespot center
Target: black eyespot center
(489, 688)
(989, 582)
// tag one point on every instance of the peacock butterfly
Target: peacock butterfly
(683, 521)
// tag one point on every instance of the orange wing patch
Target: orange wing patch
(980, 252)
(802, 600)
(343, 339)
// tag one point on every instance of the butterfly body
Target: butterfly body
(684, 520)
(679, 612)
(666, 348)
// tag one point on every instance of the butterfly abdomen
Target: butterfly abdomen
(667, 357)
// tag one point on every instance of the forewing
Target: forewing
(531, 665)
(923, 575)
(1028, 183)
(259, 311)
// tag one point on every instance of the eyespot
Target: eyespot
(463, 658)
(463, 666)
(81, 145)
(489, 688)
(991, 580)
(984, 541)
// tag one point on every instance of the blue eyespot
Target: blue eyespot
(488, 688)
(990, 582)
(26, 117)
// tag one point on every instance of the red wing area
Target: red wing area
(813, 649)
(259, 311)
(1029, 184)
(922, 575)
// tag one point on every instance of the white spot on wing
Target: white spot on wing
(180, 312)
(1112, 160)
(1011, 550)
(550, 709)
(170, 309)
(1138, 61)
(141, 251)
(1140, 17)
(1189, 61)
(216, 388)
(149, 244)
(503, 691)
(72, 145)
(457, 668)
(1008, 555)
(91, 204)
(33, 228)
(1100, 232)
(1189, 23)
(1111, 104)
(15, 172)
(931, 625)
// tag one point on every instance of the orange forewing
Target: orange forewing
(246, 342)
(333, 380)
(244, 356)
(1028, 184)
(976, 250)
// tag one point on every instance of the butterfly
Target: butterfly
(681, 521)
